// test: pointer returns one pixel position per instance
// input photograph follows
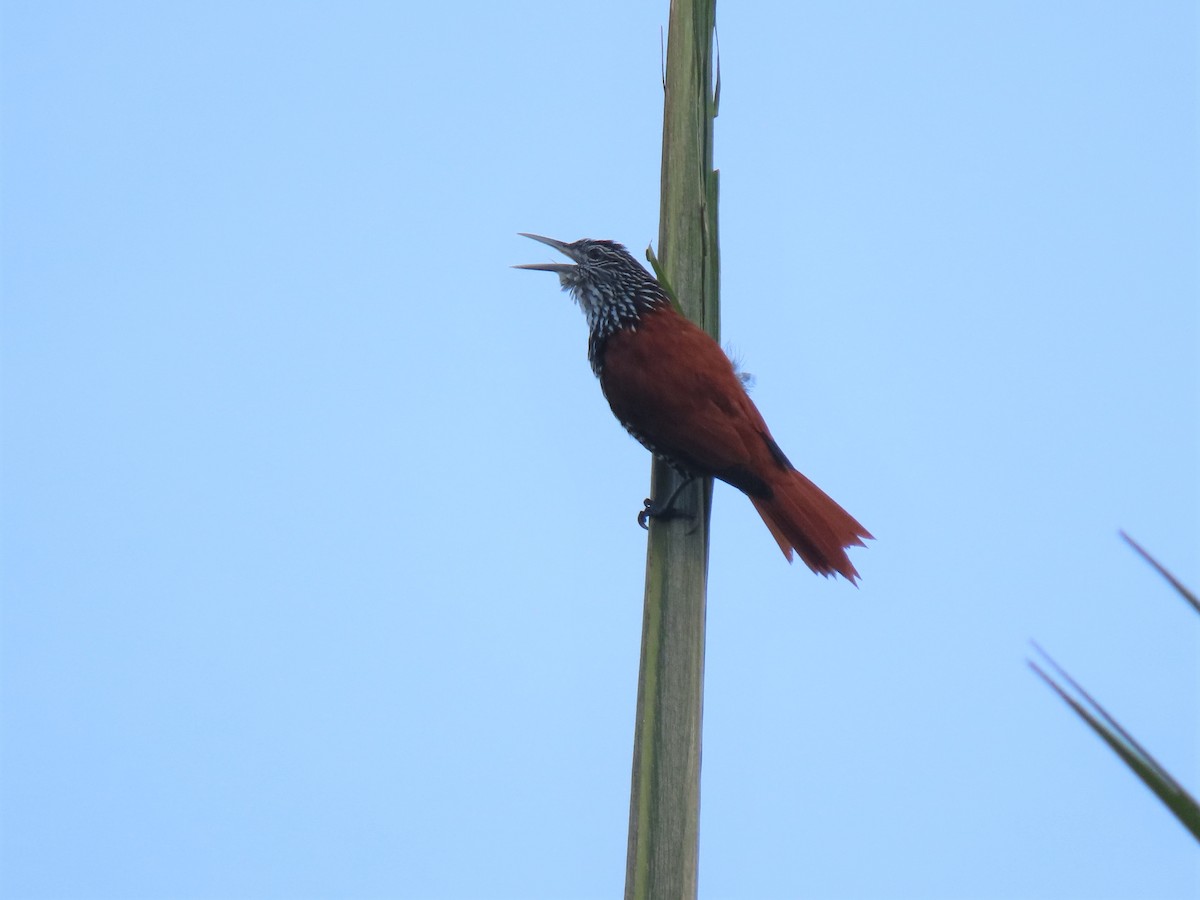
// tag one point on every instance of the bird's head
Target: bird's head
(606, 281)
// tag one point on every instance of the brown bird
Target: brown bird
(676, 391)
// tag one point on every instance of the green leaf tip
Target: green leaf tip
(1134, 755)
(1162, 570)
(661, 275)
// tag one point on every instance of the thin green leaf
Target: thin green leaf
(1175, 582)
(663, 281)
(716, 103)
(1146, 767)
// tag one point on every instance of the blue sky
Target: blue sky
(320, 570)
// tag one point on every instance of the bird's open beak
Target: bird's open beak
(560, 246)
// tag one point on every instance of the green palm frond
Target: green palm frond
(1146, 767)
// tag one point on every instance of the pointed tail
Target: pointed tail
(802, 516)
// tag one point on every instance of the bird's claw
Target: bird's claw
(665, 513)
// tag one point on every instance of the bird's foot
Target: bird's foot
(664, 511)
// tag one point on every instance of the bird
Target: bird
(674, 389)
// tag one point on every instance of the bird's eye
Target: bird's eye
(595, 254)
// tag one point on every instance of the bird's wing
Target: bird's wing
(674, 388)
